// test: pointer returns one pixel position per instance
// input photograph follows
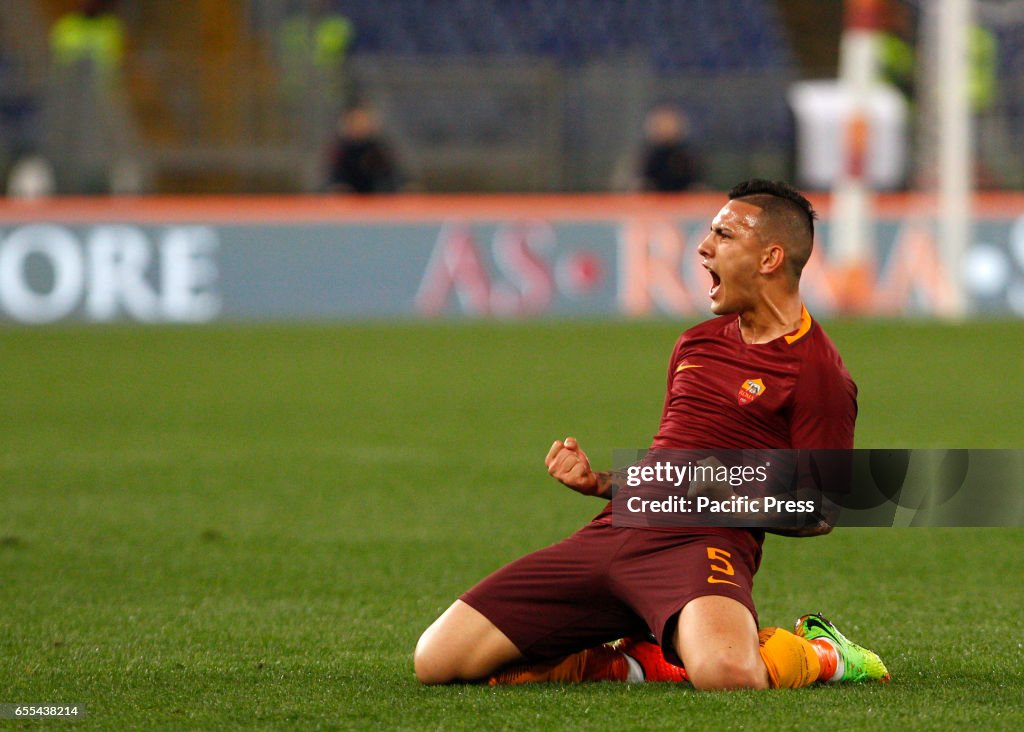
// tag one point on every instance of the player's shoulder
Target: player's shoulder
(819, 344)
(819, 352)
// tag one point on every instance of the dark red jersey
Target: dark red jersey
(792, 392)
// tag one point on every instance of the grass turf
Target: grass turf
(249, 527)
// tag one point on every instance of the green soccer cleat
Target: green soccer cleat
(855, 663)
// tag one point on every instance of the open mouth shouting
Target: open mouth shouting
(716, 281)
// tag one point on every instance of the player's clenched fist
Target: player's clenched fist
(567, 463)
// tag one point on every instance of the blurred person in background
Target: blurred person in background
(87, 131)
(313, 45)
(896, 51)
(31, 177)
(360, 160)
(897, 66)
(319, 37)
(668, 162)
(896, 43)
(92, 35)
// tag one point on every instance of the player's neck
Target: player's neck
(773, 318)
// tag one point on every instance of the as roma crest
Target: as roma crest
(751, 390)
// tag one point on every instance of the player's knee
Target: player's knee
(461, 645)
(430, 666)
(430, 673)
(722, 673)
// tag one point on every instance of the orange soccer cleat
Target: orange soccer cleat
(652, 661)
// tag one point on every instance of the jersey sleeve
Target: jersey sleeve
(672, 361)
(824, 409)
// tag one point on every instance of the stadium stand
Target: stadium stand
(517, 95)
(651, 52)
(19, 102)
(674, 34)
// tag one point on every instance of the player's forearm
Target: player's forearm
(819, 529)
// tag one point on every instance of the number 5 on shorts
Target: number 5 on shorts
(724, 566)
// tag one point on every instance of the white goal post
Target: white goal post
(945, 158)
(955, 146)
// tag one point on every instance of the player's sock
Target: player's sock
(601, 663)
(636, 671)
(828, 659)
(792, 661)
(652, 661)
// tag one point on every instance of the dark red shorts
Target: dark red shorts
(604, 583)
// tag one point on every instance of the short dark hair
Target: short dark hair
(790, 216)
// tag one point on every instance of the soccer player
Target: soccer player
(763, 374)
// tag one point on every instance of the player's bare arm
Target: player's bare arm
(827, 520)
(819, 529)
(722, 491)
(569, 465)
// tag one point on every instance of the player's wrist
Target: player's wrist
(606, 484)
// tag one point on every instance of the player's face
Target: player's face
(731, 254)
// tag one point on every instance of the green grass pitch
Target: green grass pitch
(249, 527)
